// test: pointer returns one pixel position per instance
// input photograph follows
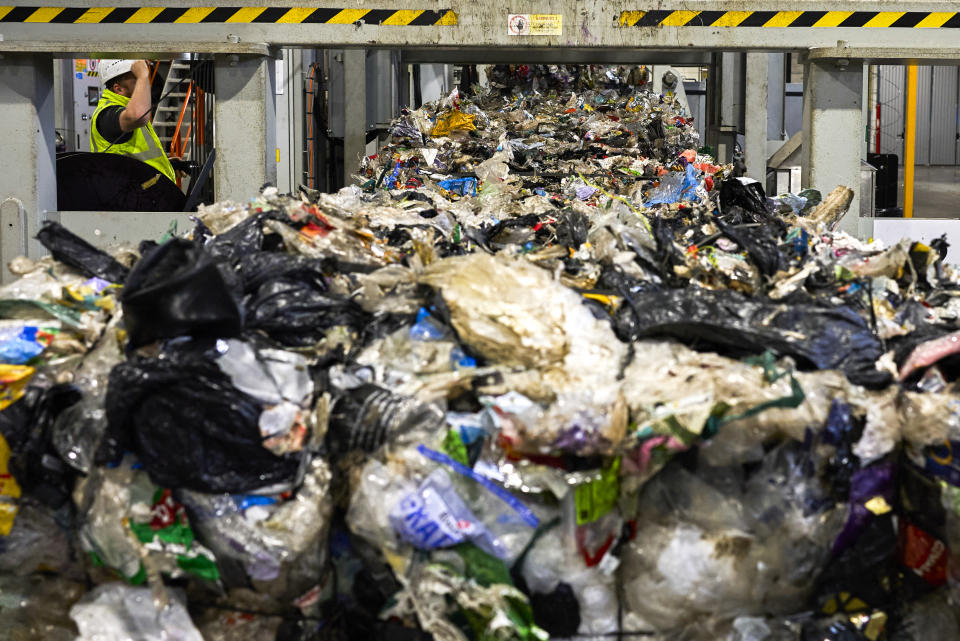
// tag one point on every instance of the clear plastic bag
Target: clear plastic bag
(118, 612)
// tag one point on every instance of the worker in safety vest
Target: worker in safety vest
(121, 122)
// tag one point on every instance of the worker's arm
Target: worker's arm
(137, 112)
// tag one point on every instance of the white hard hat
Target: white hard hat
(110, 69)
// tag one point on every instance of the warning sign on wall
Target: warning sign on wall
(535, 24)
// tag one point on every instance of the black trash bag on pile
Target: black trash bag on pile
(572, 229)
(178, 289)
(748, 196)
(668, 254)
(287, 298)
(190, 427)
(242, 239)
(759, 241)
(865, 575)
(513, 231)
(817, 337)
(27, 426)
(367, 416)
(70, 249)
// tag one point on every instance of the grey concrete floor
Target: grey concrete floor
(936, 192)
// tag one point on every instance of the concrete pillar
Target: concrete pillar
(28, 185)
(245, 117)
(355, 110)
(833, 130)
(755, 121)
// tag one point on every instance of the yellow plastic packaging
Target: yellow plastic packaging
(13, 382)
(9, 491)
(451, 121)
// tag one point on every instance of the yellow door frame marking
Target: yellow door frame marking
(348, 16)
(935, 20)
(193, 15)
(44, 14)
(142, 16)
(783, 18)
(679, 18)
(732, 18)
(247, 14)
(884, 19)
(403, 17)
(295, 15)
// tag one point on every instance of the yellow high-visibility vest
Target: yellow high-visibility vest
(144, 145)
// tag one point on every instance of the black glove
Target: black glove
(182, 165)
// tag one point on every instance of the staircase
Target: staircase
(167, 114)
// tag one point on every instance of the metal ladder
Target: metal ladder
(168, 111)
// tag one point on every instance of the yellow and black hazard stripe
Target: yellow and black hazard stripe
(232, 15)
(866, 19)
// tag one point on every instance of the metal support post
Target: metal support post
(873, 134)
(910, 142)
(245, 116)
(291, 71)
(755, 125)
(404, 96)
(724, 104)
(28, 184)
(284, 97)
(833, 130)
(355, 110)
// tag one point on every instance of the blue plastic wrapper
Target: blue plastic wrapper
(392, 180)
(19, 345)
(461, 186)
(461, 359)
(434, 516)
(675, 188)
(245, 501)
(425, 329)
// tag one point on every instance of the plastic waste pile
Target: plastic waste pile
(516, 151)
(671, 407)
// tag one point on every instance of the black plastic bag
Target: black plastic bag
(190, 427)
(239, 241)
(747, 195)
(572, 229)
(760, 243)
(74, 251)
(817, 337)
(865, 575)
(179, 290)
(512, 231)
(286, 297)
(27, 426)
